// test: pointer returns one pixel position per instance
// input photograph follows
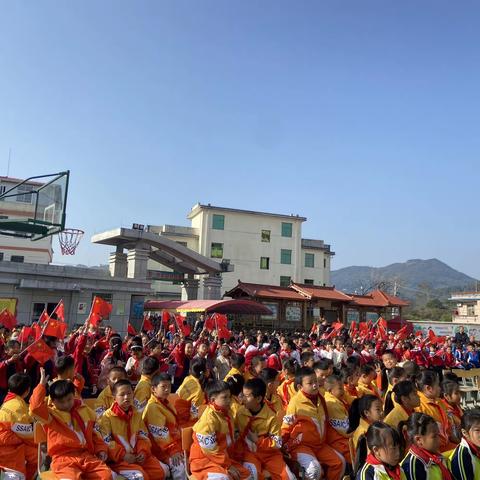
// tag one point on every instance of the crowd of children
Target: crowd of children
(326, 405)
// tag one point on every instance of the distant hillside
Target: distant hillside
(413, 278)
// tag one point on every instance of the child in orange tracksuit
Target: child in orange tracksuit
(76, 449)
(213, 439)
(260, 430)
(105, 400)
(129, 448)
(304, 430)
(143, 390)
(18, 451)
(286, 390)
(161, 421)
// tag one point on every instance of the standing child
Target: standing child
(363, 412)
(465, 460)
(384, 445)
(11, 364)
(213, 439)
(105, 399)
(135, 363)
(423, 459)
(129, 448)
(18, 451)
(143, 390)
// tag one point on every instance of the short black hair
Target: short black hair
(64, 363)
(257, 387)
(237, 360)
(367, 369)
(19, 383)
(215, 388)
(121, 383)
(449, 387)
(257, 360)
(301, 373)
(417, 424)
(118, 369)
(268, 375)
(198, 367)
(60, 389)
(470, 418)
(235, 384)
(290, 366)
(333, 379)
(322, 364)
(150, 365)
(377, 433)
(160, 377)
(306, 356)
(427, 378)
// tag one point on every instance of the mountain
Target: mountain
(413, 278)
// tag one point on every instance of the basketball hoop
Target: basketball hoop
(69, 240)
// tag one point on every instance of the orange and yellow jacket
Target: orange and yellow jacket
(142, 393)
(160, 418)
(233, 371)
(286, 391)
(124, 436)
(104, 401)
(368, 389)
(275, 402)
(16, 423)
(190, 398)
(360, 430)
(68, 433)
(397, 415)
(304, 422)
(337, 436)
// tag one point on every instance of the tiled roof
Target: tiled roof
(265, 291)
(379, 299)
(321, 293)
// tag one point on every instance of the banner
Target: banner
(8, 303)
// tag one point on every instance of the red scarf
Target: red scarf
(351, 390)
(286, 395)
(126, 416)
(76, 417)
(165, 403)
(393, 472)
(226, 414)
(474, 449)
(313, 398)
(427, 457)
(10, 396)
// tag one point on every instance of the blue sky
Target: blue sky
(361, 116)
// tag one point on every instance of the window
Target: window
(286, 229)
(3, 189)
(286, 257)
(1, 256)
(217, 250)
(17, 258)
(218, 222)
(108, 297)
(266, 236)
(285, 281)
(324, 263)
(308, 281)
(3, 217)
(24, 196)
(310, 260)
(264, 263)
(183, 244)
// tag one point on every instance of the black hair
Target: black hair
(427, 378)
(377, 433)
(12, 343)
(331, 380)
(257, 386)
(198, 367)
(449, 387)
(150, 365)
(290, 365)
(121, 383)
(215, 388)
(401, 389)
(470, 419)
(60, 389)
(357, 410)
(352, 361)
(301, 373)
(64, 363)
(367, 369)
(19, 383)
(306, 356)
(235, 384)
(160, 377)
(417, 424)
(396, 372)
(268, 375)
(451, 377)
(119, 369)
(237, 360)
(322, 364)
(348, 371)
(257, 360)
(411, 370)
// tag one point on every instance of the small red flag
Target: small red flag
(353, 328)
(432, 337)
(131, 330)
(185, 329)
(60, 311)
(7, 319)
(55, 328)
(94, 319)
(165, 318)
(101, 307)
(148, 325)
(25, 334)
(224, 332)
(402, 334)
(43, 317)
(382, 323)
(40, 351)
(210, 323)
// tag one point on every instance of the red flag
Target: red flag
(185, 329)
(43, 317)
(381, 332)
(101, 307)
(94, 319)
(55, 328)
(7, 319)
(353, 328)
(224, 332)
(37, 331)
(363, 328)
(432, 337)
(403, 333)
(60, 311)
(221, 320)
(337, 326)
(131, 330)
(25, 334)
(165, 318)
(210, 323)
(148, 325)
(40, 351)
(382, 323)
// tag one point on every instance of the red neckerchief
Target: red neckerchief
(270, 405)
(474, 449)
(392, 472)
(165, 403)
(225, 413)
(313, 398)
(406, 410)
(455, 409)
(351, 390)
(286, 395)
(10, 396)
(427, 456)
(76, 417)
(126, 416)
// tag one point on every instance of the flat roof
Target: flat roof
(200, 206)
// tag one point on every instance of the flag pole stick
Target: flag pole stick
(39, 338)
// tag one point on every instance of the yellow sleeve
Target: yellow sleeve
(141, 396)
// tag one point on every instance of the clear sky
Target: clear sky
(362, 116)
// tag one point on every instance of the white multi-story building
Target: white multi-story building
(467, 308)
(22, 206)
(265, 248)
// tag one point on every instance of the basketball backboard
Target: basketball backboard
(33, 208)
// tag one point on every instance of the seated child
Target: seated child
(363, 412)
(143, 390)
(423, 459)
(129, 448)
(452, 398)
(257, 364)
(366, 383)
(65, 368)
(406, 399)
(76, 449)
(304, 430)
(213, 439)
(105, 399)
(161, 421)
(18, 451)
(307, 359)
(260, 430)
(272, 381)
(135, 363)
(235, 385)
(286, 390)
(396, 374)
(382, 461)
(237, 361)
(351, 375)
(323, 368)
(465, 460)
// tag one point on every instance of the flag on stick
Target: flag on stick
(7, 319)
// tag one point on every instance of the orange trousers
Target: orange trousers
(21, 458)
(85, 466)
(201, 467)
(331, 462)
(340, 444)
(151, 469)
(273, 463)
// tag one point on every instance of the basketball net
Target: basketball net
(69, 240)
